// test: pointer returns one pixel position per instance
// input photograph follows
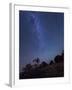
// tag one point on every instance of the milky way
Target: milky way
(41, 34)
(34, 18)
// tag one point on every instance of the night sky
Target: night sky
(41, 34)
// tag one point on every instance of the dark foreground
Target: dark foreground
(44, 70)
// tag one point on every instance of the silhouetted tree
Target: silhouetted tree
(62, 56)
(51, 62)
(43, 64)
(57, 59)
(37, 60)
(28, 67)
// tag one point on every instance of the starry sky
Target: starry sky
(41, 34)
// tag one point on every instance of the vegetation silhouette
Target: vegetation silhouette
(44, 70)
(51, 62)
(37, 60)
(59, 58)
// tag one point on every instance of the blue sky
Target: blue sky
(41, 34)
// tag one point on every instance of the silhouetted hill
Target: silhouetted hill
(44, 70)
